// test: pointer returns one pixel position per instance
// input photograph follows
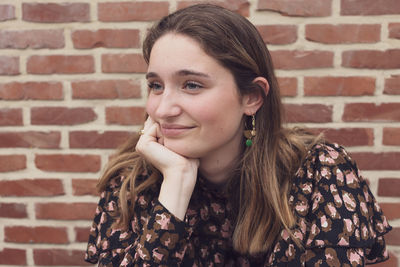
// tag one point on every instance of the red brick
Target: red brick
(391, 262)
(60, 64)
(392, 85)
(82, 187)
(13, 210)
(239, 6)
(9, 163)
(286, 59)
(391, 136)
(371, 59)
(369, 7)
(377, 161)
(61, 116)
(30, 139)
(278, 34)
(56, 13)
(65, 211)
(125, 115)
(40, 234)
(391, 210)
(11, 117)
(123, 63)
(9, 65)
(132, 11)
(7, 12)
(109, 38)
(31, 91)
(106, 89)
(394, 30)
(13, 256)
(34, 39)
(343, 33)
(31, 187)
(303, 8)
(347, 136)
(389, 187)
(82, 234)
(308, 113)
(68, 163)
(393, 237)
(385, 112)
(287, 86)
(93, 139)
(59, 257)
(339, 86)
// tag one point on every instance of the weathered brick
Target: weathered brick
(385, 112)
(132, 11)
(392, 85)
(13, 256)
(239, 6)
(35, 39)
(343, 33)
(56, 13)
(106, 89)
(125, 115)
(278, 34)
(37, 235)
(11, 117)
(82, 187)
(9, 65)
(61, 116)
(59, 257)
(393, 237)
(109, 38)
(7, 12)
(65, 211)
(13, 210)
(30, 139)
(394, 30)
(303, 8)
(339, 86)
(287, 86)
(31, 91)
(371, 59)
(292, 60)
(391, 210)
(9, 163)
(369, 7)
(347, 136)
(123, 63)
(377, 161)
(31, 187)
(93, 139)
(60, 64)
(316, 113)
(391, 136)
(389, 187)
(68, 163)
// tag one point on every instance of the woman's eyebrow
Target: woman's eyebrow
(184, 72)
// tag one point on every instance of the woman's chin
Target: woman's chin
(182, 150)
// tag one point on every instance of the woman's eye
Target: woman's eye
(153, 86)
(192, 85)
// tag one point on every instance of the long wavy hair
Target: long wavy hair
(266, 169)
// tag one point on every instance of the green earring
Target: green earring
(249, 134)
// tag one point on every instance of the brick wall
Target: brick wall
(72, 89)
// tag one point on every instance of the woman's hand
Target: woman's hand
(179, 173)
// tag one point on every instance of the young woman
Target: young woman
(214, 179)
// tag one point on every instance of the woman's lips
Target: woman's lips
(174, 130)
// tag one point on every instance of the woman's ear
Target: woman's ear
(254, 100)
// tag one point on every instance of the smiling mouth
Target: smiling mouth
(174, 130)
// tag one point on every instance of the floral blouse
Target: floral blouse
(338, 221)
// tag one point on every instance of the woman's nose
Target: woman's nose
(168, 105)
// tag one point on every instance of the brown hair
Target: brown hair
(266, 169)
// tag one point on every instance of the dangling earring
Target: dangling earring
(249, 134)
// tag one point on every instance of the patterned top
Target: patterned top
(339, 223)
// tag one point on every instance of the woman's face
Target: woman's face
(194, 99)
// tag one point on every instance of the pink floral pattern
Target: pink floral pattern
(339, 223)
